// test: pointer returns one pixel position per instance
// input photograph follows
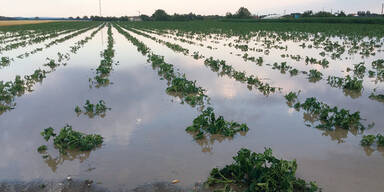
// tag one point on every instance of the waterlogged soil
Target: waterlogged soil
(144, 132)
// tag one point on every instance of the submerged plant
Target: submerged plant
(69, 139)
(346, 83)
(368, 140)
(291, 96)
(48, 133)
(42, 148)
(331, 117)
(52, 63)
(93, 109)
(359, 70)
(196, 55)
(377, 97)
(293, 72)
(207, 123)
(260, 172)
(5, 61)
(314, 75)
(78, 109)
(106, 63)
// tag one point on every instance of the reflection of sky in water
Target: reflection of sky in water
(145, 138)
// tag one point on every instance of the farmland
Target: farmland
(24, 22)
(122, 104)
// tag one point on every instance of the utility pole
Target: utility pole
(100, 7)
(382, 9)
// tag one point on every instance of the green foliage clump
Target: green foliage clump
(377, 97)
(52, 63)
(314, 75)
(69, 139)
(48, 133)
(260, 172)
(93, 109)
(291, 96)
(359, 70)
(368, 140)
(5, 61)
(331, 117)
(42, 148)
(207, 123)
(293, 72)
(196, 55)
(324, 63)
(184, 86)
(346, 83)
(283, 67)
(378, 64)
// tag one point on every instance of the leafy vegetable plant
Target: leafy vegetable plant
(207, 123)
(260, 172)
(68, 139)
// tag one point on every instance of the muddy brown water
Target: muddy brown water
(144, 134)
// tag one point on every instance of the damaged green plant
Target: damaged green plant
(260, 172)
(207, 123)
(93, 109)
(68, 139)
(331, 117)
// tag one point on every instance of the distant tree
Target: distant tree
(186, 17)
(85, 18)
(145, 18)
(364, 13)
(341, 14)
(70, 18)
(323, 14)
(160, 15)
(307, 13)
(243, 13)
(77, 18)
(228, 15)
(37, 18)
(123, 18)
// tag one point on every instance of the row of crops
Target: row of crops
(343, 58)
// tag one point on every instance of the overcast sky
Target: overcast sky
(66, 8)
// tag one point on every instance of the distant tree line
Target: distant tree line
(161, 15)
(338, 14)
(241, 13)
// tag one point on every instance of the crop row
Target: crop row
(11, 89)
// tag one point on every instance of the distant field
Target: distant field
(23, 22)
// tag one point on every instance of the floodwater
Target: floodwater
(144, 133)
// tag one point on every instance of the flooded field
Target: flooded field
(145, 88)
